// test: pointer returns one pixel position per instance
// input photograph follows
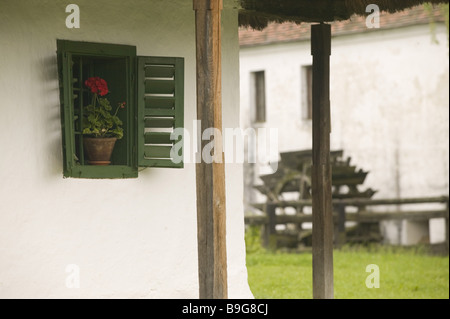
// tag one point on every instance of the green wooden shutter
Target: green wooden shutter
(160, 111)
(67, 115)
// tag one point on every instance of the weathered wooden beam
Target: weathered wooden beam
(362, 202)
(211, 211)
(322, 236)
(422, 215)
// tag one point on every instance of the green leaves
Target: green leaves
(105, 104)
(98, 120)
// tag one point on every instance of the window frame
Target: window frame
(134, 80)
(66, 51)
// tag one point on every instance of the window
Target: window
(307, 92)
(153, 89)
(259, 90)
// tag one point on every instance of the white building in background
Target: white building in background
(389, 103)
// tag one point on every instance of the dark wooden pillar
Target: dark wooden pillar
(270, 237)
(322, 236)
(340, 237)
(211, 219)
(447, 230)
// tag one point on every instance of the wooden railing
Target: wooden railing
(269, 219)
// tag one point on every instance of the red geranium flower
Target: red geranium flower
(97, 85)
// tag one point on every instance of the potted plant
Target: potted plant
(101, 127)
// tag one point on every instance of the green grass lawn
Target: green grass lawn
(403, 274)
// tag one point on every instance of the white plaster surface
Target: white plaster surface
(133, 238)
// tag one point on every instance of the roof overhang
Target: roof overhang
(258, 13)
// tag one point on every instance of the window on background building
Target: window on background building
(306, 92)
(259, 89)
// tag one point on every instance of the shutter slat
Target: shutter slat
(159, 71)
(159, 113)
(156, 151)
(159, 86)
(157, 138)
(159, 122)
(159, 102)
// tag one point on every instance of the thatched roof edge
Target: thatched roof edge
(258, 13)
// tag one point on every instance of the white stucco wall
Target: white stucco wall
(389, 101)
(134, 238)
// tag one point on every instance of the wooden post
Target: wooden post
(211, 212)
(322, 236)
(266, 228)
(341, 236)
(270, 231)
(447, 230)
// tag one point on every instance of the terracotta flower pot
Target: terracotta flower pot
(99, 149)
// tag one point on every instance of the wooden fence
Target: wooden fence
(269, 219)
